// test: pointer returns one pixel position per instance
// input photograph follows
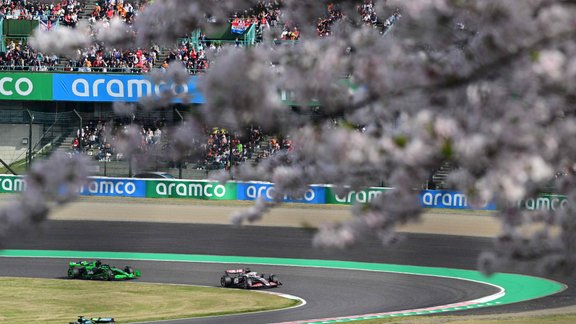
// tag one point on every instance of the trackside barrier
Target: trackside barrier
(11, 184)
(335, 197)
(115, 187)
(316, 194)
(450, 200)
(456, 200)
(96, 186)
(207, 190)
(253, 190)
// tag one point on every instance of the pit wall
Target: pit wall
(236, 190)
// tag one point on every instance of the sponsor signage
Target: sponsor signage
(209, 190)
(254, 190)
(114, 187)
(212, 190)
(92, 87)
(544, 202)
(25, 86)
(11, 184)
(100, 87)
(351, 197)
(457, 200)
(449, 200)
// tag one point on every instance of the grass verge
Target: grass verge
(26, 300)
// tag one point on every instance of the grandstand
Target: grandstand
(57, 103)
(51, 101)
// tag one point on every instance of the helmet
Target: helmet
(98, 263)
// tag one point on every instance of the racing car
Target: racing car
(93, 320)
(248, 279)
(99, 271)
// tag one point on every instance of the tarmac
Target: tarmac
(445, 222)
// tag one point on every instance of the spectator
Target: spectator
(75, 144)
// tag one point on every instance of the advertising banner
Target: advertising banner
(26, 86)
(114, 187)
(254, 190)
(212, 190)
(100, 87)
(208, 190)
(362, 196)
(544, 202)
(449, 200)
(11, 184)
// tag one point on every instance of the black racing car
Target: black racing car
(247, 279)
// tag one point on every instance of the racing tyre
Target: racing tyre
(247, 283)
(109, 275)
(273, 278)
(80, 273)
(74, 273)
(129, 270)
(226, 281)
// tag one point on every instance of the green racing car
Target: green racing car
(97, 271)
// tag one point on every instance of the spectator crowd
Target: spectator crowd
(222, 148)
(98, 139)
(99, 59)
(368, 16)
(324, 25)
(108, 9)
(65, 11)
(21, 57)
(96, 58)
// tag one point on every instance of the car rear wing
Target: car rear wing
(234, 271)
(78, 263)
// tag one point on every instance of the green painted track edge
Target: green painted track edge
(516, 287)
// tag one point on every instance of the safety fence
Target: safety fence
(238, 190)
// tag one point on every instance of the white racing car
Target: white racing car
(247, 279)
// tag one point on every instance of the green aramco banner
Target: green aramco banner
(11, 184)
(351, 197)
(26, 86)
(208, 190)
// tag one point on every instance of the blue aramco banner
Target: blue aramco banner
(114, 187)
(99, 87)
(450, 200)
(254, 190)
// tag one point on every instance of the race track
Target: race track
(328, 292)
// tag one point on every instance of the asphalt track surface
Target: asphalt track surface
(329, 292)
